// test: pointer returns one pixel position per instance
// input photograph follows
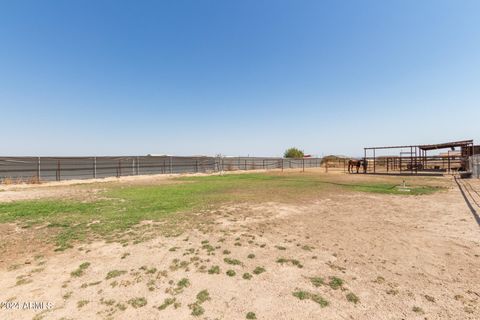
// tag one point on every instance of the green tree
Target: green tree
(293, 153)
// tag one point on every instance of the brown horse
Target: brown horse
(357, 164)
(352, 164)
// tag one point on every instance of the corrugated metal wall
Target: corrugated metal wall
(475, 166)
(65, 168)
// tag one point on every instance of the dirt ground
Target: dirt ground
(378, 256)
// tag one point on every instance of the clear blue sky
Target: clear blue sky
(236, 77)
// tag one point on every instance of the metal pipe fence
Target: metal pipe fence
(36, 169)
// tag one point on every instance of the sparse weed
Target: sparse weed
(203, 296)
(80, 270)
(214, 270)
(259, 270)
(335, 283)
(304, 295)
(183, 283)
(167, 302)
(197, 309)
(317, 281)
(247, 276)
(417, 310)
(114, 274)
(292, 261)
(82, 303)
(352, 297)
(137, 302)
(232, 261)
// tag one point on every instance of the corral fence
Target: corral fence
(474, 166)
(36, 169)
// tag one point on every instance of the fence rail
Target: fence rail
(20, 169)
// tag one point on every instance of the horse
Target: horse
(354, 163)
(357, 164)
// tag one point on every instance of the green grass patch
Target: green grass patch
(122, 207)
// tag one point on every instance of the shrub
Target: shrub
(293, 153)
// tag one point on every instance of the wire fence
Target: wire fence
(36, 169)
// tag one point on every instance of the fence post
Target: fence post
(138, 166)
(303, 164)
(133, 166)
(38, 170)
(196, 165)
(94, 167)
(448, 163)
(170, 164)
(282, 164)
(58, 170)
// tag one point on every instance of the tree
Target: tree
(293, 153)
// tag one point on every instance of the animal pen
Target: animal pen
(418, 159)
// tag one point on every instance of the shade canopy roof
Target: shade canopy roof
(425, 147)
(463, 143)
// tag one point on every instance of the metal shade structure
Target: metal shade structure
(414, 158)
